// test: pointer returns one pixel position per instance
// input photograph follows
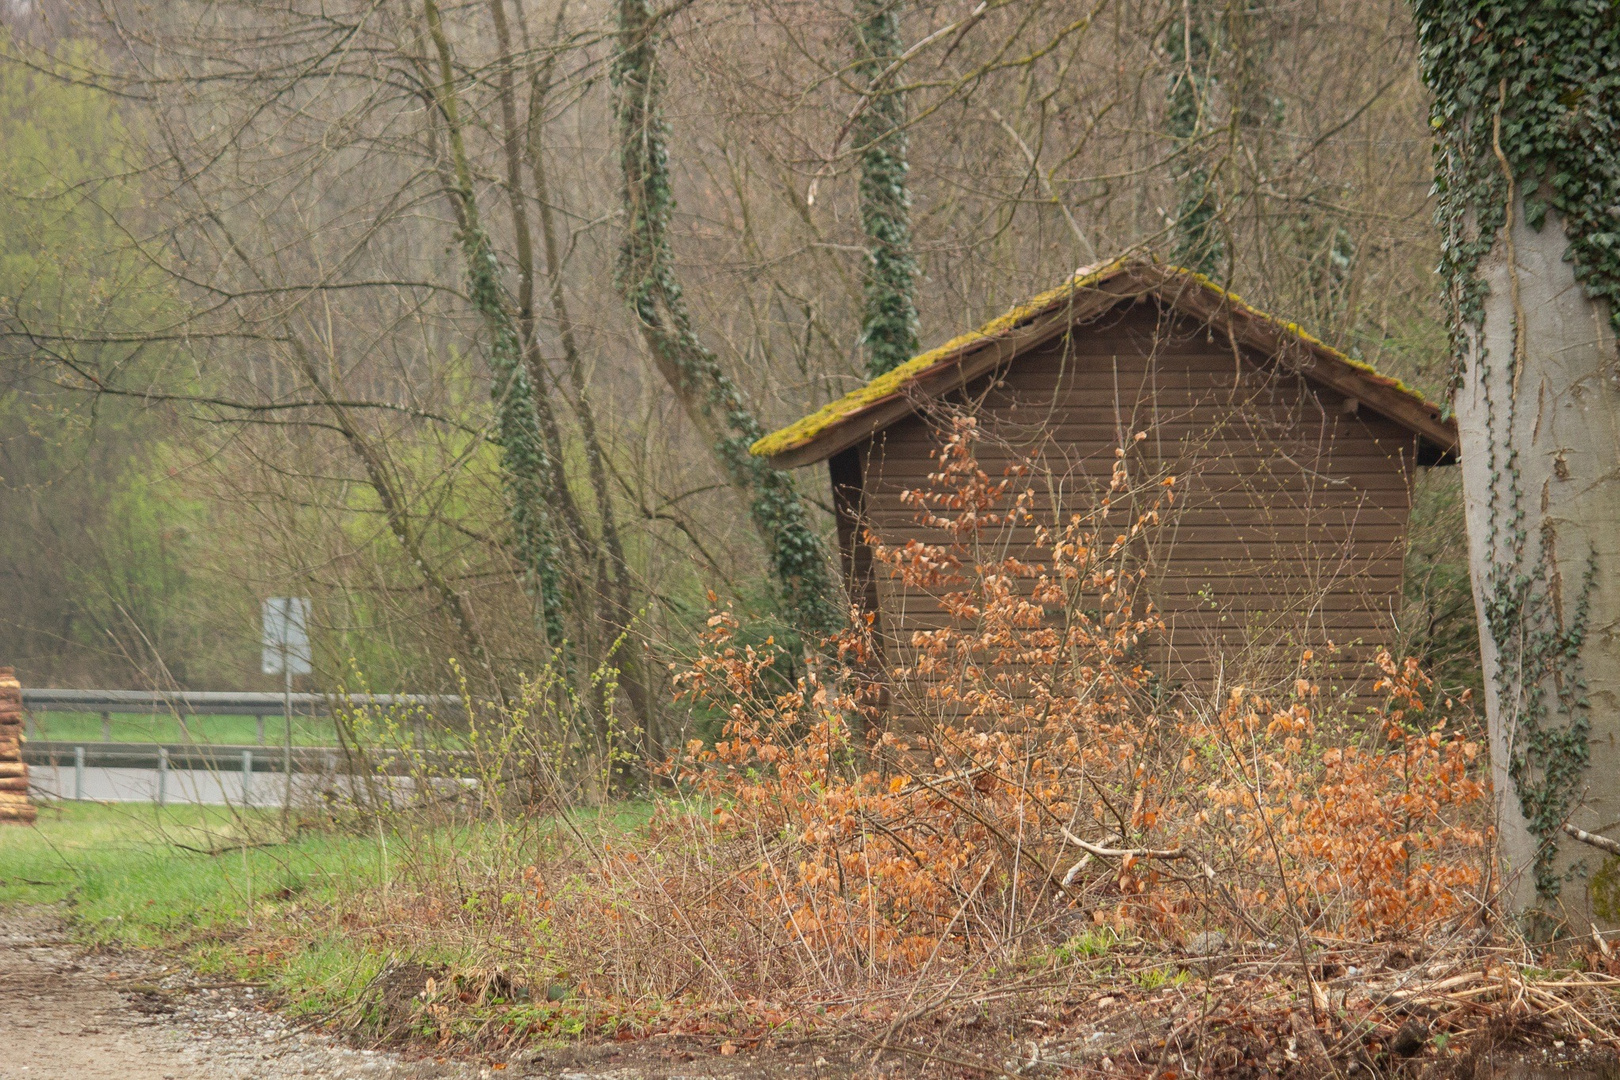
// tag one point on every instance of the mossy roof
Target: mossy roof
(1171, 284)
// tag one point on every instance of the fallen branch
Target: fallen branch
(1602, 843)
(1122, 853)
(1085, 860)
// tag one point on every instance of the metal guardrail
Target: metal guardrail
(229, 757)
(224, 703)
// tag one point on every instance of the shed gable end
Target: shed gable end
(1288, 524)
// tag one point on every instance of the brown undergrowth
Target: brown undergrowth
(1063, 868)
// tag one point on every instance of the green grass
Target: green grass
(1151, 979)
(187, 879)
(142, 875)
(214, 888)
(166, 728)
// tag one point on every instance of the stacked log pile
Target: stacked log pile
(14, 804)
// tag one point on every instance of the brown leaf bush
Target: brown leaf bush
(953, 808)
(870, 846)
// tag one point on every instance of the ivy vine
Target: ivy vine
(889, 328)
(1196, 238)
(526, 466)
(1526, 100)
(646, 278)
(524, 461)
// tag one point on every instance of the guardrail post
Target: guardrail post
(163, 775)
(78, 773)
(106, 727)
(247, 778)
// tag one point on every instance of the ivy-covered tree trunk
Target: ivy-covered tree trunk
(1527, 113)
(889, 326)
(614, 566)
(601, 584)
(711, 400)
(529, 469)
(1196, 241)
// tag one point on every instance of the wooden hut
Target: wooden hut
(1294, 463)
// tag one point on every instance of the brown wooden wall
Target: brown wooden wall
(1291, 508)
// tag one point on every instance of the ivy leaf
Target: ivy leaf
(1535, 212)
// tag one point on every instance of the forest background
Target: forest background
(268, 274)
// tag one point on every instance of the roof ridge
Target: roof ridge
(890, 384)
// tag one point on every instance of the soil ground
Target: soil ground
(98, 1016)
(131, 1015)
(65, 1012)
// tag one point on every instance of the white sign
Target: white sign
(286, 636)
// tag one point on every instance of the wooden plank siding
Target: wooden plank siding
(1291, 505)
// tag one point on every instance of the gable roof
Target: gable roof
(1089, 293)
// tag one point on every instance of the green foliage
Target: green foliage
(1538, 652)
(1527, 100)
(64, 262)
(889, 327)
(1086, 945)
(1542, 79)
(647, 279)
(1151, 979)
(1438, 624)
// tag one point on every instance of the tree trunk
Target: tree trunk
(711, 400)
(617, 573)
(528, 467)
(596, 622)
(1195, 236)
(1540, 442)
(889, 325)
(1527, 115)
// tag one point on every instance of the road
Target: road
(206, 787)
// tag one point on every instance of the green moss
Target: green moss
(886, 386)
(1604, 889)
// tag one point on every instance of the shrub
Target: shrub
(1026, 718)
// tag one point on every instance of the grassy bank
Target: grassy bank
(143, 875)
(641, 929)
(211, 884)
(333, 920)
(166, 728)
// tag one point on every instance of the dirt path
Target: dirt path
(67, 1015)
(77, 1016)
